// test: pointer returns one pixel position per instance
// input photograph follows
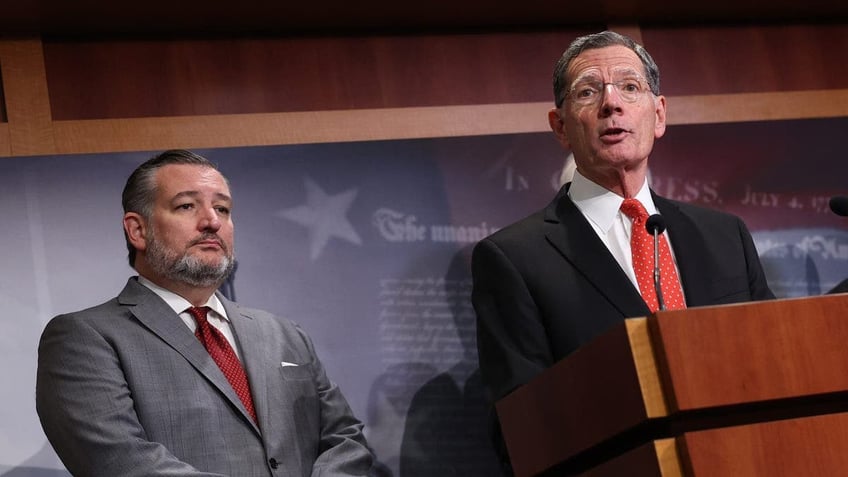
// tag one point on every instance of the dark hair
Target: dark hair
(140, 191)
(602, 40)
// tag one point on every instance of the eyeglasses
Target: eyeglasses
(588, 91)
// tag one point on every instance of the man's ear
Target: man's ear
(659, 126)
(136, 229)
(558, 127)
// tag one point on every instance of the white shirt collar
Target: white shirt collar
(601, 206)
(178, 303)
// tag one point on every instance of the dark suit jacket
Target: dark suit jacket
(841, 287)
(546, 285)
(125, 389)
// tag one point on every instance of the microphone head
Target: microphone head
(655, 223)
(839, 205)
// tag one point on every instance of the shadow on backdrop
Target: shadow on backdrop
(791, 272)
(30, 468)
(446, 426)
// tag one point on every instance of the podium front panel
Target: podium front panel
(753, 352)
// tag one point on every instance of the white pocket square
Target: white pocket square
(286, 363)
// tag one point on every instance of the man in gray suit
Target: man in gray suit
(127, 389)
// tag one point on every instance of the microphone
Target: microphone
(656, 225)
(839, 205)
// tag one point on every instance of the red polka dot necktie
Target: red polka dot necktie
(222, 353)
(642, 248)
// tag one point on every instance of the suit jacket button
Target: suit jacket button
(273, 463)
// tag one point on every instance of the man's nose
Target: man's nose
(210, 220)
(610, 99)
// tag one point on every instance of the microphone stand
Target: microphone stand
(657, 277)
(656, 225)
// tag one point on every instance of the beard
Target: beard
(168, 263)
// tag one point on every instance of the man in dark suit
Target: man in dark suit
(557, 279)
(170, 377)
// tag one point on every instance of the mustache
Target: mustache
(209, 236)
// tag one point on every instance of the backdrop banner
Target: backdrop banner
(367, 245)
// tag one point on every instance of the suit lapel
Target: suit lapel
(248, 334)
(161, 320)
(578, 243)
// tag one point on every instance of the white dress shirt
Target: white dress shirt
(602, 208)
(217, 316)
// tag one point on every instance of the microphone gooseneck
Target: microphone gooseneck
(839, 205)
(655, 226)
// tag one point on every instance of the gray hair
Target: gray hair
(602, 40)
(140, 191)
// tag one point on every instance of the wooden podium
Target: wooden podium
(753, 389)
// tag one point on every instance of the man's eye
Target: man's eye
(630, 86)
(586, 92)
(185, 206)
(223, 210)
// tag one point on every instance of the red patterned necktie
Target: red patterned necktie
(642, 248)
(222, 353)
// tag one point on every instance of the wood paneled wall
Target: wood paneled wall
(120, 79)
(74, 96)
(733, 60)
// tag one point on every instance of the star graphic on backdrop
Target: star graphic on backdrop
(325, 216)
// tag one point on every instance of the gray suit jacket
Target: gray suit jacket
(125, 389)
